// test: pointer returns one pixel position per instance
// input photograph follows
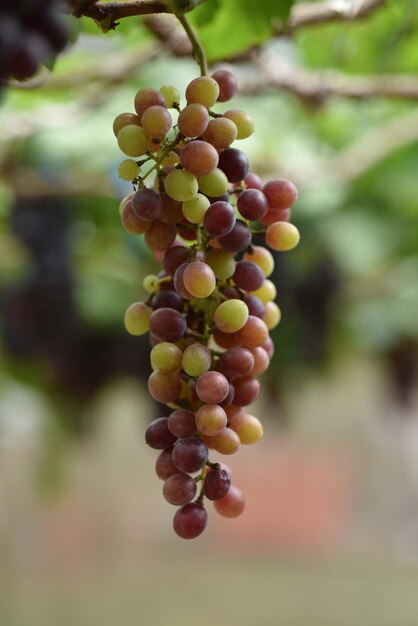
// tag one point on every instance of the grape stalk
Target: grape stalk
(211, 307)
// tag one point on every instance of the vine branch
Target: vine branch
(197, 49)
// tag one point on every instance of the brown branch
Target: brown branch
(315, 13)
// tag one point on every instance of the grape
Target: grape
(231, 315)
(132, 140)
(128, 169)
(164, 386)
(170, 94)
(236, 362)
(199, 158)
(234, 164)
(147, 204)
(252, 204)
(137, 318)
(247, 390)
(227, 442)
(179, 285)
(276, 215)
(131, 222)
(255, 306)
(164, 466)
(167, 299)
(261, 257)
(253, 333)
(179, 489)
(196, 359)
(159, 236)
(268, 346)
(219, 219)
(171, 209)
(224, 340)
(282, 236)
(194, 210)
(229, 398)
(248, 276)
(182, 423)
(212, 387)
(166, 357)
(193, 120)
(123, 119)
(266, 292)
(156, 121)
(222, 263)
(237, 239)
(243, 122)
(190, 454)
(157, 434)
(204, 90)
(252, 181)
(217, 484)
(181, 185)
(148, 97)
(261, 361)
(272, 315)
(232, 504)
(228, 84)
(211, 419)
(248, 428)
(213, 184)
(280, 194)
(167, 324)
(220, 132)
(199, 279)
(190, 521)
(174, 257)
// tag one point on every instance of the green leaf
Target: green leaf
(229, 27)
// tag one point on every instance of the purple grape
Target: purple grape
(179, 489)
(234, 164)
(190, 454)
(167, 324)
(219, 219)
(190, 521)
(164, 466)
(167, 299)
(252, 204)
(248, 276)
(238, 239)
(255, 305)
(182, 423)
(147, 204)
(217, 484)
(158, 436)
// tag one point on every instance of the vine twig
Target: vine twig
(197, 48)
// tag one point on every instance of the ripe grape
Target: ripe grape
(252, 204)
(203, 90)
(219, 219)
(238, 238)
(148, 97)
(182, 423)
(227, 442)
(159, 236)
(190, 454)
(164, 466)
(220, 132)
(199, 279)
(217, 484)
(236, 362)
(147, 204)
(156, 121)
(193, 120)
(167, 299)
(179, 489)
(234, 164)
(167, 324)
(212, 387)
(253, 333)
(157, 434)
(282, 236)
(228, 84)
(131, 222)
(280, 194)
(248, 276)
(199, 158)
(232, 504)
(211, 419)
(190, 521)
(164, 387)
(247, 390)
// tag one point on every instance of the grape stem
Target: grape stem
(197, 48)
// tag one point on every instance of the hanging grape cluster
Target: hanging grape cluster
(211, 307)
(32, 32)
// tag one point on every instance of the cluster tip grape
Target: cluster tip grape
(210, 309)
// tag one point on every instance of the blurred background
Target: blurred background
(330, 532)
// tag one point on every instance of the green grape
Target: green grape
(214, 184)
(196, 359)
(282, 236)
(266, 292)
(137, 318)
(203, 90)
(181, 185)
(227, 442)
(171, 95)
(248, 428)
(199, 279)
(231, 315)
(194, 210)
(272, 315)
(123, 119)
(222, 263)
(243, 122)
(128, 169)
(132, 140)
(166, 357)
(261, 257)
(156, 122)
(150, 283)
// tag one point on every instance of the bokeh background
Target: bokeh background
(330, 533)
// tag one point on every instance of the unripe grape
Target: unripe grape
(156, 121)
(137, 318)
(166, 357)
(128, 169)
(199, 158)
(220, 132)
(193, 120)
(204, 90)
(151, 283)
(267, 292)
(199, 279)
(132, 140)
(213, 184)
(170, 94)
(181, 185)
(243, 122)
(196, 359)
(227, 442)
(231, 316)
(194, 210)
(261, 257)
(272, 316)
(222, 263)
(282, 236)
(248, 428)
(123, 119)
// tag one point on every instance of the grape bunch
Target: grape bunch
(32, 32)
(210, 309)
